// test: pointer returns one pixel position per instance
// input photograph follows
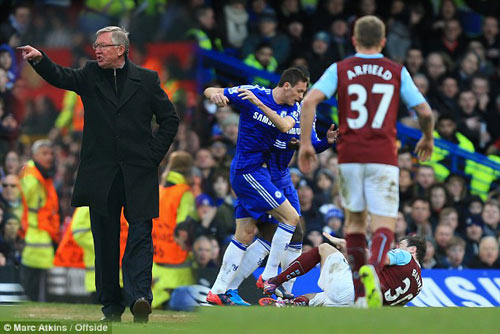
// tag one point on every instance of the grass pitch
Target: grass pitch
(256, 320)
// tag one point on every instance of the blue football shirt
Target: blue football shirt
(256, 132)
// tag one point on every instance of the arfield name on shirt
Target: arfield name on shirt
(371, 69)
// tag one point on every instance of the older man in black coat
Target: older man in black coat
(119, 162)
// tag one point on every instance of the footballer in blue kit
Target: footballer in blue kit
(283, 150)
(264, 114)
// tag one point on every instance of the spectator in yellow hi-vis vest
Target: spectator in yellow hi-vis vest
(205, 33)
(484, 176)
(43, 219)
(262, 59)
(440, 159)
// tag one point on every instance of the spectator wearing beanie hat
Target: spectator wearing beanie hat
(474, 231)
(334, 220)
(206, 210)
(267, 30)
(320, 56)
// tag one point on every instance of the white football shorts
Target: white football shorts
(370, 186)
(335, 280)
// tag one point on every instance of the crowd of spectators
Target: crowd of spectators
(451, 48)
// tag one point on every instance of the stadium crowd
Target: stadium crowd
(451, 48)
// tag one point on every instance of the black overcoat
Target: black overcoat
(117, 134)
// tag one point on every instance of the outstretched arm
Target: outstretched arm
(216, 95)
(56, 75)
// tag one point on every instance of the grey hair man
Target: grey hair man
(119, 162)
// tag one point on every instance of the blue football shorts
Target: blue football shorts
(292, 196)
(256, 194)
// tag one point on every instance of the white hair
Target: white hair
(118, 35)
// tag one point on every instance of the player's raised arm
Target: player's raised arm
(56, 75)
(283, 124)
(425, 145)
(216, 95)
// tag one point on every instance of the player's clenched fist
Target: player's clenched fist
(30, 53)
(219, 99)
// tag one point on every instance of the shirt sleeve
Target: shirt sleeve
(398, 257)
(327, 84)
(319, 145)
(409, 92)
(232, 94)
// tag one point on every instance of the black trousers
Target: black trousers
(137, 262)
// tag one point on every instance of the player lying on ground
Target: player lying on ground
(396, 283)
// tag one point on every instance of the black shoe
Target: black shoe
(112, 318)
(141, 310)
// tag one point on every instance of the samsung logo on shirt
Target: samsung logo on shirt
(371, 69)
(262, 118)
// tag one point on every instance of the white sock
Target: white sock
(254, 256)
(294, 250)
(280, 243)
(230, 264)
